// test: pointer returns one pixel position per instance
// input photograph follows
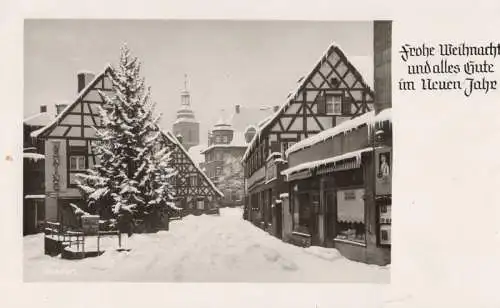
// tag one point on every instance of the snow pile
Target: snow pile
(283, 196)
(33, 156)
(203, 248)
(322, 162)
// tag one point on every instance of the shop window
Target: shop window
(351, 215)
(77, 162)
(200, 204)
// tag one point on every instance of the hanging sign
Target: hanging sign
(383, 171)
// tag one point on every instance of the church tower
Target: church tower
(186, 126)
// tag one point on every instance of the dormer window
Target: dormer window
(224, 139)
(217, 139)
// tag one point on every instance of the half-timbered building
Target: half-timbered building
(69, 150)
(195, 192)
(334, 91)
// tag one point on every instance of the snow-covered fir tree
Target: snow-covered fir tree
(132, 179)
(231, 180)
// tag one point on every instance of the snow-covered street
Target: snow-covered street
(222, 248)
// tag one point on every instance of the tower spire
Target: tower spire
(185, 81)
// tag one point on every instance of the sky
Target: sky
(250, 63)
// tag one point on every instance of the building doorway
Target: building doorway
(330, 215)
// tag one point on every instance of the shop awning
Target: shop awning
(345, 161)
(304, 174)
(348, 164)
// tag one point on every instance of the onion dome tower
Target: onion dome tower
(186, 125)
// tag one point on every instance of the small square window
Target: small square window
(194, 180)
(77, 163)
(334, 104)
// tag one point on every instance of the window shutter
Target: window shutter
(321, 104)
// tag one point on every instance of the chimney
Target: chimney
(43, 108)
(60, 108)
(276, 108)
(237, 109)
(84, 78)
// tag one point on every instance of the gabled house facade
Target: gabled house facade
(195, 192)
(69, 141)
(333, 92)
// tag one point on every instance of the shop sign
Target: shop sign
(383, 171)
(271, 171)
(90, 224)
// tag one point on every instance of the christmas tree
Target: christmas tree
(131, 182)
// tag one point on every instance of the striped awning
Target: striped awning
(339, 166)
(304, 174)
(346, 161)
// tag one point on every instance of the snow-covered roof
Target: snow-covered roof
(322, 162)
(368, 118)
(248, 117)
(39, 119)
(237, 142)
(61, 115)
(184, 120)
(34, 156)
(384, 116)
(292, 95)
(222, 124)
(173, 139)
(195, 153)
(85, 71)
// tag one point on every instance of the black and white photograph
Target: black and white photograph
(207, 151)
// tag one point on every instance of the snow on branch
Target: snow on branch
(77, 210)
